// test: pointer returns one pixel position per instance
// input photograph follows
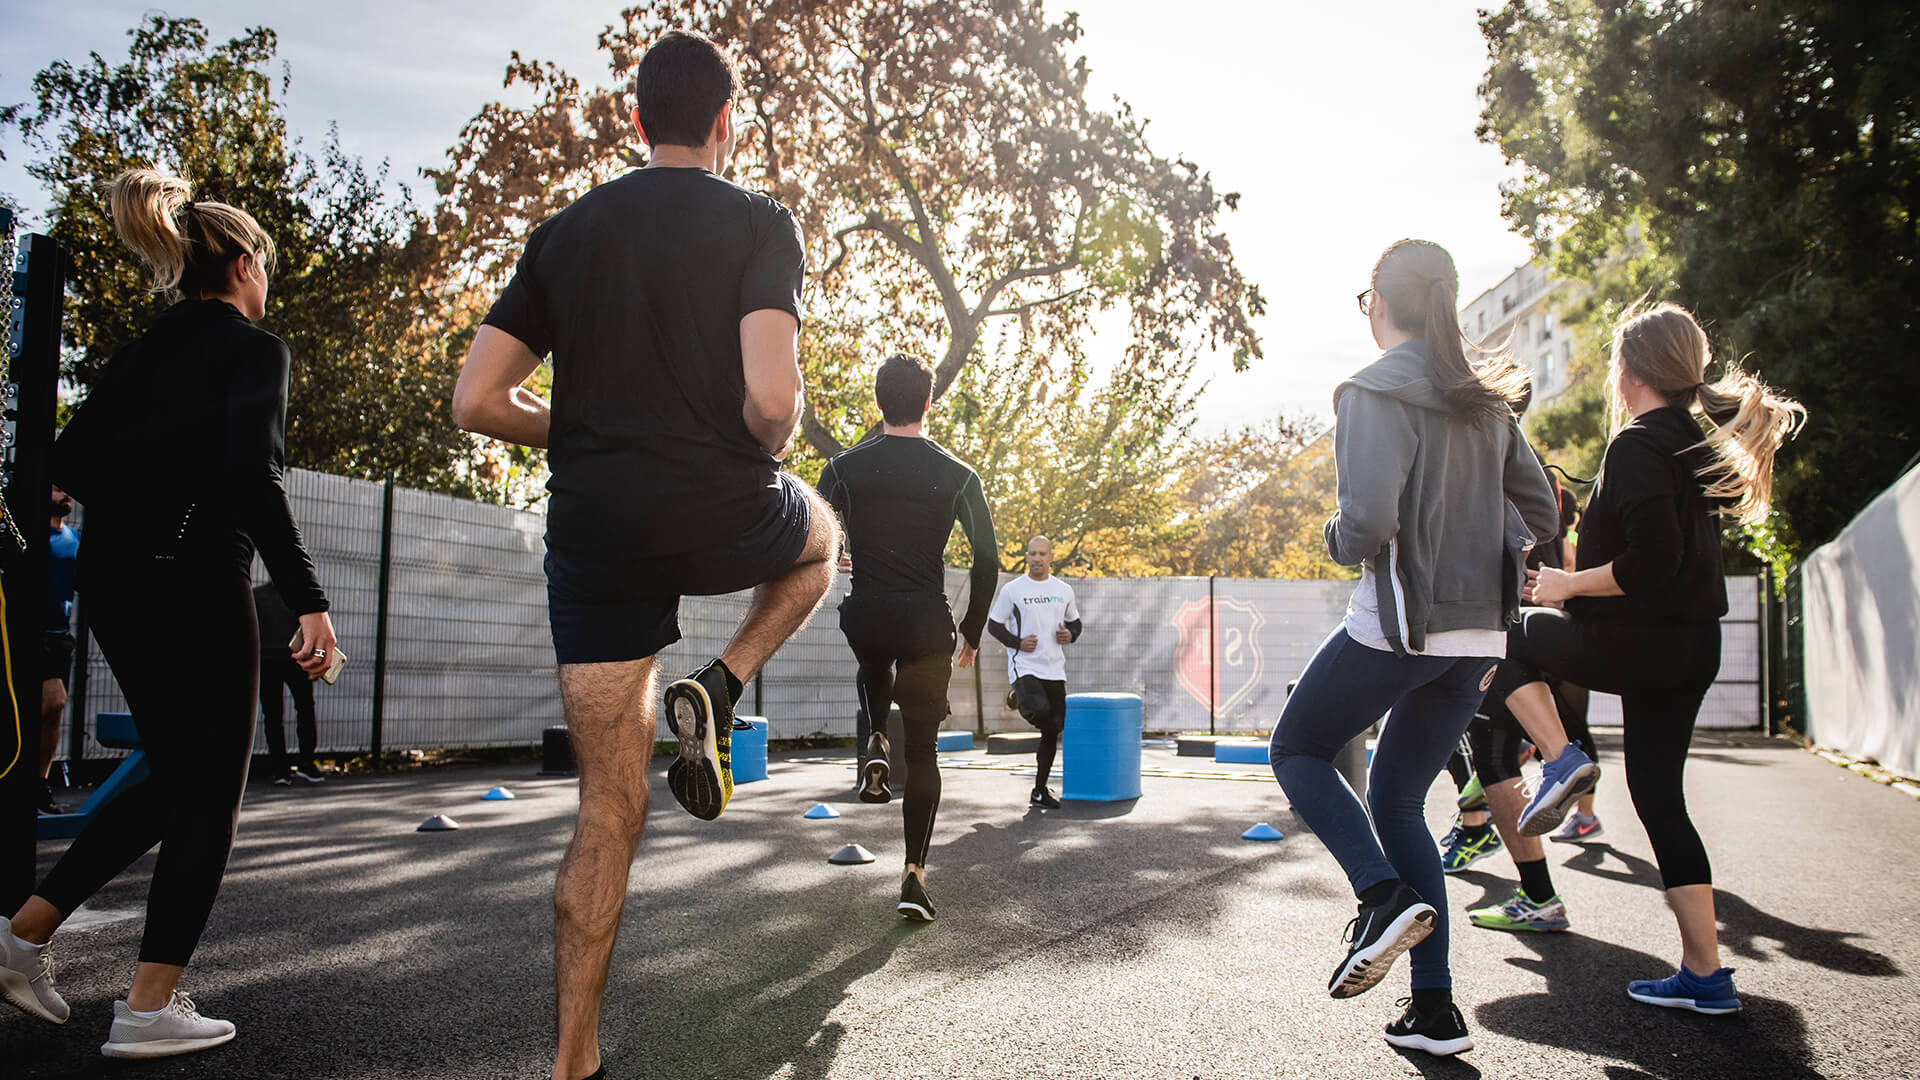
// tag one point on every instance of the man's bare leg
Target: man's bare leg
(610, 715)
(782, 606)
(1533, 706)
(1506, 799)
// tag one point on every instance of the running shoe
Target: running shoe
(1442, 1034)
(1013, 700)
(1712, 994)
(1473, 796)
(1521, 913)
(1043, 798)
(701, 712)
(1579, 829)
(179, 1029)
(283, 780)
(1469, 846)
(1562, 781)
(1452, 834)
(309, 773)
(1378, 934)
(26, 976)
(874, 774)
(46, 804)
(914, 904)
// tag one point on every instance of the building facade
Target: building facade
(1521, 315)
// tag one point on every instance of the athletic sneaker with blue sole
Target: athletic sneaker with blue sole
(1562, 781)
(700, 710)
(1710, 994)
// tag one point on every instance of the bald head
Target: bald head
(1039, 558)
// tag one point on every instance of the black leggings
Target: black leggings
(1044, 703)
(913, 634)
(278, 670)
(184, 646)
(1662, 673)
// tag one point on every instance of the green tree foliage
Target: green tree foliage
(1253, 503)
(1770, 154)
(359, 294)
(948, 171)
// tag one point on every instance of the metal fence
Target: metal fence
(469, 662)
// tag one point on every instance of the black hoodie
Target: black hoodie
(1651, 519)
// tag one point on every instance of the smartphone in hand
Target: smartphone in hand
(335, 660)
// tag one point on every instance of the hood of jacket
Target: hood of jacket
(1404, 373)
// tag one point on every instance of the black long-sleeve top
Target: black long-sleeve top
(179, 452)
(899, 497)
(1650, 517)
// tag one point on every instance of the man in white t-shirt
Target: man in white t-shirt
(1034, 617)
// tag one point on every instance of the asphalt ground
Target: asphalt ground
(1101, 940)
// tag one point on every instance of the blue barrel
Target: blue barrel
(750, 751)
(1100, 749)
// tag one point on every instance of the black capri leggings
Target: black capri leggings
(913, 634)
(1662, 673)
(185, 647)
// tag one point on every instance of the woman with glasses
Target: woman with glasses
(1641, 617)
(178, 455)
(1439, 499)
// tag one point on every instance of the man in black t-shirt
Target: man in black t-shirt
(669, 300)
(899, 494)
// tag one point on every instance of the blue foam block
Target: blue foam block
(953, 740)
(1243, 751)
(1263, 831)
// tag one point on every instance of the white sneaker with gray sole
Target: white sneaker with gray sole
(179, 1029)
(26, 976)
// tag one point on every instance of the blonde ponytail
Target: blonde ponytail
(187, 244)
(1664, 347)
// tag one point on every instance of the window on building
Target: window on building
(1546, 327)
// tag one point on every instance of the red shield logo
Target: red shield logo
(1218, 661)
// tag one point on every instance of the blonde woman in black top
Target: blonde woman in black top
(1641, 618)
(178, 455)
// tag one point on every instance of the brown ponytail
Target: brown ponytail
(187, 244)
(1664, 347)
(1422, 290)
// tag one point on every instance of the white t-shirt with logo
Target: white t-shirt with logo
(1039, 608)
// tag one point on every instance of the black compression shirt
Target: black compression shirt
(179, 452)
(899, 497)
(637, 290)
(1651, 520)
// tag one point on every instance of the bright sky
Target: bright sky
(1343, 128)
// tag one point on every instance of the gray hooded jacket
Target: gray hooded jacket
(1441, 513)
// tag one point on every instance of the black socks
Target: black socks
(1535, 880)
(1381, 893)
(1432, 1002)
(734, 686)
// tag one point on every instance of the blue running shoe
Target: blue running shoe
(1711, 994)
(1562, 781)
(1467, 846)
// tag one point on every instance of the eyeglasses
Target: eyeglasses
(1366, 301)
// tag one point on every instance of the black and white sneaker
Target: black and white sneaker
(308, 773)
(1442, 1034)
(1041, 797)
(875, 774)
(914, 904)
(1377, 936)
(283, 780)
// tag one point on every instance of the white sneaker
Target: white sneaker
(26, 976)
(179, 1029)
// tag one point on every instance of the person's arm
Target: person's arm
(1527, 487)
(1071, 624)
(770, 361)
(976, 520)
(1002, 635)
(1373, 448)
(491, 398)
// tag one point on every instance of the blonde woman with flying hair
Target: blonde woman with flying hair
(178, 454)
(1642, 619)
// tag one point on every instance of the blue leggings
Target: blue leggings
(1345, 688)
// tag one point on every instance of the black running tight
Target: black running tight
(184, 645)
(1044, 704)
(904, 645)
(1662, 673)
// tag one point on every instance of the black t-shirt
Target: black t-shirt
(637, 290)
(899, 496)
(1650, 517)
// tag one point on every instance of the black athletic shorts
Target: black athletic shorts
(605, 610)
(56, 651)
(1495, 733)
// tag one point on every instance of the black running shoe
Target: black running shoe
(309, 773)
(1013, 700)
(874, 774)
(701, 713)
(914, 904)
(46, 804)
(1044, 798)
(1442, 1034)
(1377, 936)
